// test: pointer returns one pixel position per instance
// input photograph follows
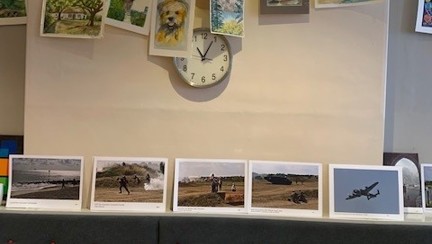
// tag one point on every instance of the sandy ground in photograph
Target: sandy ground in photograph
(268, 195)
(198, 194)
(69, 193)
(137, 194)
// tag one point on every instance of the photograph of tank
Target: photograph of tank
(367, 192)
(210, 185)
(426, 172)
(135, 184)
(36, 179)
(411, 178)
(285, 188)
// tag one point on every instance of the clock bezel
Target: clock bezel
(198, 85)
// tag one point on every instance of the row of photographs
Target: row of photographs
(135, 184)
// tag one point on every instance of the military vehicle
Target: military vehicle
(278, 179)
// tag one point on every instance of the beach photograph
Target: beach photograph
(45, 178)
(140, 180)
(285, 185)
(341, 3)
(210, 183)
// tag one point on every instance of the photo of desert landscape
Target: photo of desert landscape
(210, 184)
(129, 180)
(46, 178)
(285, 185)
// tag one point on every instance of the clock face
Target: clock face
(210, 62)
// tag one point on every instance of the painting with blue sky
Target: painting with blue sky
(368, 190)
(427, 186)
(227, 17)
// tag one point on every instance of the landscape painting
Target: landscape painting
(411, 178)
(227, 17)
(210, 185)
(129, 184)
(132, 15)
(424, 16)
(366, 192)
(341, 3)
(47, 182)
(13, 12)
(284, 6)
(73, 18)
(426, 171)
(286, 188)
(172, 28)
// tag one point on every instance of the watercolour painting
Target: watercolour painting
(13, 12)
(227, 17)
(131, 15)
(424, 17)
(341, 3)
(411, 178)
(45, 182)
(129, 184)
(210, 186)
(171, 28)
(284, 6)
(366, 192)
(285, 188)
(73, 18)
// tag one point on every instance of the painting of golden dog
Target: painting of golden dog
(172, 19)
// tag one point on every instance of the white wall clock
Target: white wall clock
(210, 62)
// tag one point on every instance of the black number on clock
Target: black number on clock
(192, 75)
(204, 36)
(223, 47)
(213, 76)
(203, 79)
(222, 69)
(185, 68)
(225, 58)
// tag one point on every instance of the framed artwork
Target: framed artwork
(285, 188)
(426, 182)
(73, 18)
(129, 184)
(210, 186)
(4, 182)
(366, 192)
(411, 178)
(13, 12)
(424, 17)
(171, 28)
(284, 6)
(131, 15)
(227, 17)
(11, 144)
(341, 3)
(45, 182)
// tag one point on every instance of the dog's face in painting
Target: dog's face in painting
(172, 16)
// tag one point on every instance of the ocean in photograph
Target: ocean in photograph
(24, 180)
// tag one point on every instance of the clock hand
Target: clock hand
(205, 54)
(200, 53)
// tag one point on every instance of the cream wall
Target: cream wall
(12, 78)
(302, 88)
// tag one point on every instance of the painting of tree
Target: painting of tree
(73, 18)
(12, 12)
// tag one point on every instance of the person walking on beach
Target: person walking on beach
(123, 184)
(63, 184)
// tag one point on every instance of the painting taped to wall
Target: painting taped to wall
(73, 18)
(13, 12)
(227, 17)
(424, 17)
(341, 3)
(131, 15)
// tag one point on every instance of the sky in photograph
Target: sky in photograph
(101, 164)
(284, 168)
(46, 164)
(206, 168)
(346, 180)
(427, 171)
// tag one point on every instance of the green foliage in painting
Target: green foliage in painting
(12, 8)
(116, 10)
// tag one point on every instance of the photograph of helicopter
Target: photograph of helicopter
(364, 192)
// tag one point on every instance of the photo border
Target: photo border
(340, 5)
(128, 206)
(103, 13)
(371, 216)
(145, 30)
(419, 20)
(186, 53)
(285, 211)
(44, 204)
(15, 20)
(395, 157)
(230, 210)
(303, 9)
